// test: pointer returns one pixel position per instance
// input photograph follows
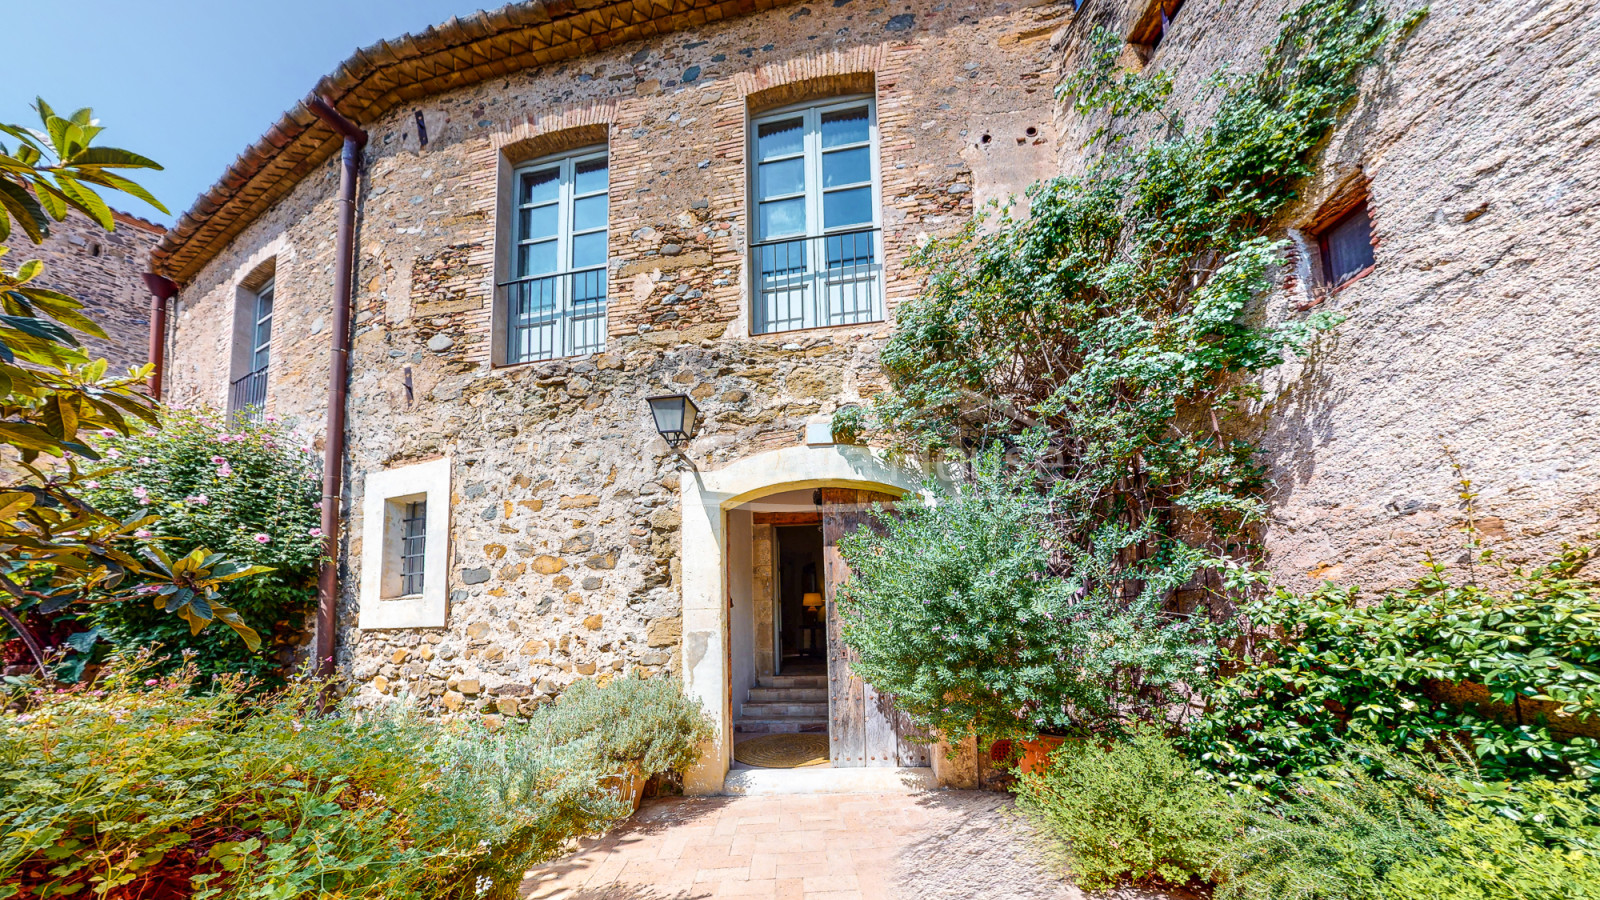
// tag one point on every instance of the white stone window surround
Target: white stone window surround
(382, 509)
(826, 270)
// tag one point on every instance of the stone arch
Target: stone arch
(706, 499)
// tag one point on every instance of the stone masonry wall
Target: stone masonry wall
(564, 516)
(102, 269)
(1476, 331)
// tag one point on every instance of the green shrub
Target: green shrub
(1108, 329)
(647, 721)
(1328, 661)
(1336, 834)
(954, 609)
(538, 792)
(1132, 809)
(249, 491)
(147, 787)
(1489, 858)
(1380, 825)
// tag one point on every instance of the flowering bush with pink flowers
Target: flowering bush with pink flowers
(249, 491)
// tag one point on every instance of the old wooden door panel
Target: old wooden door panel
(864, 728)
(846, 693)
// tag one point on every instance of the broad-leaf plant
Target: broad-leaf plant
(56, 549)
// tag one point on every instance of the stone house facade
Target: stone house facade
(756, 174)
(1473, 334)
(102, 269)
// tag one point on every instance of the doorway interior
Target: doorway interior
(778, 641)
(800, 628)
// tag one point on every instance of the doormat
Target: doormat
(783, 751)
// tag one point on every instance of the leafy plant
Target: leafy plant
(645, 721)
(246, 489)
(1131, 809)
(1486, 858)
(956, 608)
(1328, 660)
(1107, 331)
(56, 169)
(144, 787)
(1337, 833)
(56, 549)
(1385, 825)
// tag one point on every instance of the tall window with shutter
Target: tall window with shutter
(817, 252)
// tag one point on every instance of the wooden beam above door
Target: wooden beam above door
(786, 518)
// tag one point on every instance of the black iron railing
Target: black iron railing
(809, 282)
(247, 397)
(552, 316)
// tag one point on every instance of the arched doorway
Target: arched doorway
(717, 560)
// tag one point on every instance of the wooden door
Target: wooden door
(864, 728)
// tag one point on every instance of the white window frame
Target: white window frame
(563, 342)
(247, 380)
(269, 292)
(382, 605)
(812, 112)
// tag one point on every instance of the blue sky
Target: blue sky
(189, 83)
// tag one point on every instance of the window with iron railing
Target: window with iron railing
(555, 301)
(247, 395)
(818, 254)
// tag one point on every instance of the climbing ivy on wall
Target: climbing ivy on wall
(1106, 330)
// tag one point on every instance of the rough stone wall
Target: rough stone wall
(1476, 329)
(564, 514)
(102, 269)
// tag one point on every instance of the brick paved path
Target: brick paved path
(942, 845)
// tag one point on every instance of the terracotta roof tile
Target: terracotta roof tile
(375, 79)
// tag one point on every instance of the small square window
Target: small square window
(405, 536)
(1346, 246)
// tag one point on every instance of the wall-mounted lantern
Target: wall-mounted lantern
(675, 416)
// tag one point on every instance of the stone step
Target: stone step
(783, 710)
(788, 695)
(787, 725)
(792, 681)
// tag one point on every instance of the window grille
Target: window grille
(556, 299)
(413, 543)
(1347, 246)
(817, 256)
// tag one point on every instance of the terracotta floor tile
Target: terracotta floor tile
(947, 845)
(757, 889)
(831, 883)
(724, 873)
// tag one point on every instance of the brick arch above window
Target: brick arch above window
(554, 131)
(809, 78)
(256, 278)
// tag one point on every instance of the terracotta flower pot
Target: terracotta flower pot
(1036, 753)
(629, 785)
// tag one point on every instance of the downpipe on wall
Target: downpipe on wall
(162, 290)
(323, 642)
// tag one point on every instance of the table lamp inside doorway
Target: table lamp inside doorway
(813, 604)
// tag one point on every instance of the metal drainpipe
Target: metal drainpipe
(323, 644)
(161, 290)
